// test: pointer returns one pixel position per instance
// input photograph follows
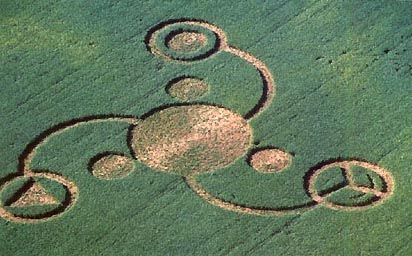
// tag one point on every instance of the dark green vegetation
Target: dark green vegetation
(343, 72)
(366, 178)
(349, 197)
(329, 180)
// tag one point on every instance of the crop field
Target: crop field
(205, 127)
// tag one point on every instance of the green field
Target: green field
(76, 76)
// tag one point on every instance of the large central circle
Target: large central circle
(191, 139)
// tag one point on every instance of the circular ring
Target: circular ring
(69, 200)
(185, 40)
(374, 195)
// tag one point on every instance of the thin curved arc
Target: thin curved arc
(201, 192)
(352, 184)
(30, 150)
(345, 166)
(267, 80)
(368, 190)
(383, 174)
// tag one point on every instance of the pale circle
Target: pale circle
(191, 139)
(269, 160)
(186, 41)
(187, 88)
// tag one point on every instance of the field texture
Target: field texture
(205, 127)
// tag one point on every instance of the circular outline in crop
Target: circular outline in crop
(345, 165)
(159, 36)
(71, 191)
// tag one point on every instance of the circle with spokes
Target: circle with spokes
(376, 194)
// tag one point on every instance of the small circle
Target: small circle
(187, 88)
(112, 166)
(191, 139)
(36, 197)
(349, 185)
(269, 160)
(185, 41)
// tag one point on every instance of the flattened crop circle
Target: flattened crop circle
(185, 41)
(379, 194)
(187, 88)
(25, 204)
(191, 139)
(269, 160)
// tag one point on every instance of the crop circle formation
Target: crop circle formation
(191, 139)
(187, 88)
(269, 160)
(352, 185)
(184, 41)
(36, 197)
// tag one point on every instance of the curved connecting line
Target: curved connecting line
(30, 150)
(268, 91)
(267, 78)
(201, 192)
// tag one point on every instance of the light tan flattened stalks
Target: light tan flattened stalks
(267, 77)
(113, 167)
(270, 160)
(34, 195)
(188, 89)
(193, 138)
(187, 41)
